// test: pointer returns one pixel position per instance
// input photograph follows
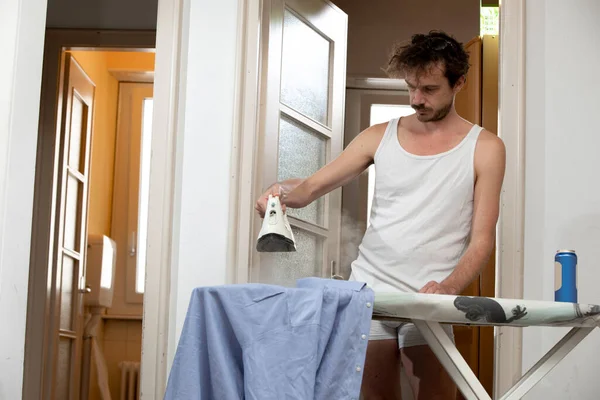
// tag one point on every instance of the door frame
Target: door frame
(44, 207)
(510, 240)
(245, 141)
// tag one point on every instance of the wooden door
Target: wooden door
(63, 360)
(468, 106)
(302, 97)
(489, 120)
(478, 103)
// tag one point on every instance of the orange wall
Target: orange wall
(140, 61)
(97, 64)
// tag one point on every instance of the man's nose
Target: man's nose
(417, 98)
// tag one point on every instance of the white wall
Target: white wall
(562, 178)
(22, 32)
(206, 115)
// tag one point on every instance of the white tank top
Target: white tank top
(420, 220)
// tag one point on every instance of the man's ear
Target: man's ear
(460, 83)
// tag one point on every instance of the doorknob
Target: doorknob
(132, 244)
(86, 290)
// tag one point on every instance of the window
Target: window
(129, 227)
(489, 21)
(142, 236)
(382, 113)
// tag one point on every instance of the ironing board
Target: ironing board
(429, 311)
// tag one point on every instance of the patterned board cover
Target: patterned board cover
(466, 310)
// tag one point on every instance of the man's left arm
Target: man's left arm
(490, 161)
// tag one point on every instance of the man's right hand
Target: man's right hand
(261, 203)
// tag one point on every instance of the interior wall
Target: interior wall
(22, 32)
(562, 204)
(373, 27)
(204, 143)
(102, 14)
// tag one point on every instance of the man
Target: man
(434, 212)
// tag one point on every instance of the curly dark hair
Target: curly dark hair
(423, 50)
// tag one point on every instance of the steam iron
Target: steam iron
(276, 233)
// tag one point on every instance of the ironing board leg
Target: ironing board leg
(452, 360)
(546, 363)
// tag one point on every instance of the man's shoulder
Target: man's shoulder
(375, 132)
(489, 142)
(490, 152)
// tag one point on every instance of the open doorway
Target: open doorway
(117, 212)
(90, 221)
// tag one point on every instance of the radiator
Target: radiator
(130, 380)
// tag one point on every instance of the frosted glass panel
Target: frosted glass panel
(285, 268)
(302, 152)
(66, 299)
(72, 207)
(63, 369)
(77, 134)
(304, 69)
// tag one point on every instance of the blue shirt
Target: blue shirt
(267, 342)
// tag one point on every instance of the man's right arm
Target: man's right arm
(356, 157)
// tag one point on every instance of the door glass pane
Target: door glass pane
(381, 113)
(72, 216)
(144, 195)
(302, 152)
(63, 369)
(77, 133)
(66, 293)
(285, 268)
(305, 69)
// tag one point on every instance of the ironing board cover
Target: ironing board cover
(465, 310)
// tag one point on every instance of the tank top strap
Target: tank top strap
(472, 138)
(474, 132)
(391, 132)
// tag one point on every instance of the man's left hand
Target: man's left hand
(434, 287)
